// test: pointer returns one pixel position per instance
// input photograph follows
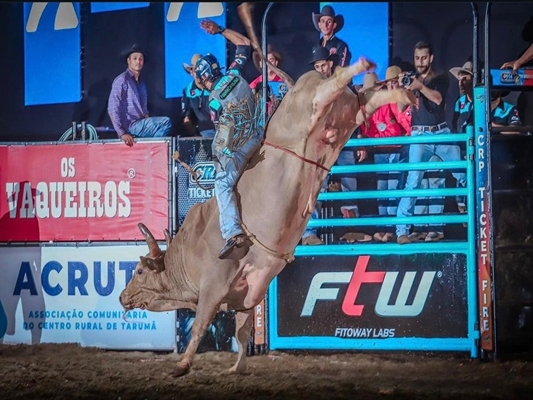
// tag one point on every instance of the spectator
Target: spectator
(525, 99)
(323, 63)
(390, 120)
(233, 145)
(524, 58)
(428, 118)
(276, 87)
(503, 113)
(128, 102)
(195, 105)
(329, 24)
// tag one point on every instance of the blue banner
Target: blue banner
(366, 31)
(52, 70)
(116, 6)
(184, 37)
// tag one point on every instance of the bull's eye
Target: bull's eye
(139, 271)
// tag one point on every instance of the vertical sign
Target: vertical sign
(366, 31)
(259, 324)
(184, 37)
(52, 70)
(484, 218)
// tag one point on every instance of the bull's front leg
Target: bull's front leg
(243, 328)
(208, 305)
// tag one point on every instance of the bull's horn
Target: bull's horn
(153, 247)
(167, 237)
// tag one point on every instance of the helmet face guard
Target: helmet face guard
(207, 68)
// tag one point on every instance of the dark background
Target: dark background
(448, 26)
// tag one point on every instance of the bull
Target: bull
(276, 195)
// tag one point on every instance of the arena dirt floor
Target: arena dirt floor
(67, 371)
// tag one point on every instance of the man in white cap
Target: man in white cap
(195, 105)
(329, 25)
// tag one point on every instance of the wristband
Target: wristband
(221, 29)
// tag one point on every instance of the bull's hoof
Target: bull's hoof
(367, 64)
(181, 369)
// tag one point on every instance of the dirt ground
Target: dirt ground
(67, 371)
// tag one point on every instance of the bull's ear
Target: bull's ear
(154, 264)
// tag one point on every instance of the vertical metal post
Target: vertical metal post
(475, 43)
(485, 237)
(264, 97)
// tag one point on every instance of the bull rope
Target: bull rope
(287, 257)
(297, 155)
(176, 157)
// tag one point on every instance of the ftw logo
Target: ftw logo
(205, 171)
(359, 276)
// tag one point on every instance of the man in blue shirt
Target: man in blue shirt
(503, 113)
(128, 102)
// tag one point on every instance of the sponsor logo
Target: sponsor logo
(384, 306)
(205, 172)
(507, 77)
(100, 275)
(364, 333)
(228, 89)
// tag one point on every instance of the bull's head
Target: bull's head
(149, 279)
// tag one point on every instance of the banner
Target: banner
(183, 32)
(373, 297)
(83, 191)
(52, 31)
(70, 294)
(196, 152)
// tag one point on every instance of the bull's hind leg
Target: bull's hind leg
(243, 327)
(208, 305)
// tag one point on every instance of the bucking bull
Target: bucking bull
(276, 194)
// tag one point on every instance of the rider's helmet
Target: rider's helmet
(207, 68)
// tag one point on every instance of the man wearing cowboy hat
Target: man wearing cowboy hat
(323, 64)
(389, 120)
(195, 104)
(128, 102)
(329, 25)
(503, 113)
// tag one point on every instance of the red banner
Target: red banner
(83, 191)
